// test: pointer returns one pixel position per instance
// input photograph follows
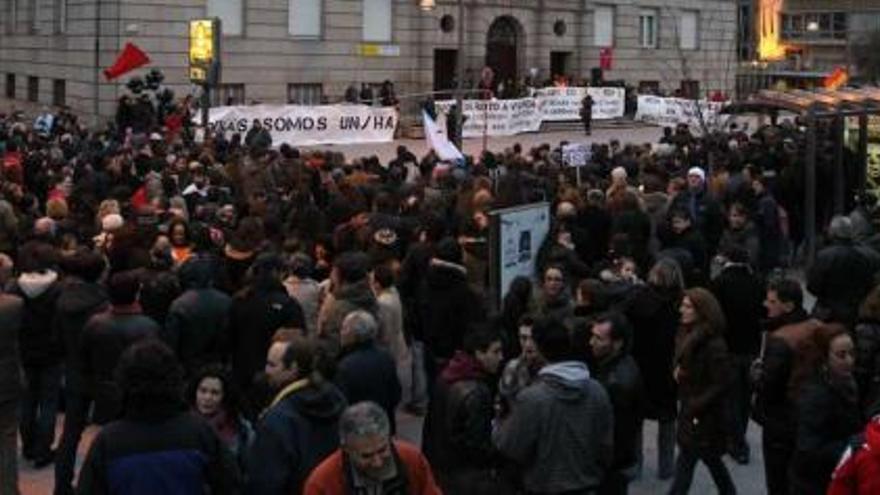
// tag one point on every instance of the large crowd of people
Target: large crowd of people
(243, 317)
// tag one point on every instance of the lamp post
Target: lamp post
(429, 6)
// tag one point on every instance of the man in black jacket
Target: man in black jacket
(80, 298)
(774, 406)
(842, 274)
(197, 324)
(106, 336)
(365, 372)
(457, 437)
(617, 371)
(158, 445)
(740, 292)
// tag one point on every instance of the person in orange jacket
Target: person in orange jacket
(859, 470)
(368, 461)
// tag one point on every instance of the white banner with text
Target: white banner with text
(300, 125)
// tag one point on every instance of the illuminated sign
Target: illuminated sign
(770, 46)
(204, 51)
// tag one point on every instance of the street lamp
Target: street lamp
(428, 6)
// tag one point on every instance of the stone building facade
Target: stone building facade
(311, 50)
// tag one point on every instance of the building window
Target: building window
(603, 26)
(305, 94)
(59, 92)
(33, 89)
(376, 20)
(10, 86)
(815, 26)
(60, 16)
(745, 38)
(648, 28)
(228, 95)
(231, 14)
(304, 18)
(687, 30)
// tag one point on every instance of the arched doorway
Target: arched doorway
(502, 48)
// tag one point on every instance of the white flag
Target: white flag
(438, 141)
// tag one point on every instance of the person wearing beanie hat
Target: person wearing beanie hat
(448, 307)
(704, 210)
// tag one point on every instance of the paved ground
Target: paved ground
(749, 479)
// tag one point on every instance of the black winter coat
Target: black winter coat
(741, 295)
(77, 302)
(197, 327)
(841, 277)
(704, 381)
(827, 419)
(448, 307)
(654, 316)
(623, 382)
(256, 313)
(367, 373)
(38, 337)
(105, 337)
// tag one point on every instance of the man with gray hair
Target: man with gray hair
(366, 371)
(842, 274)
(369, 462)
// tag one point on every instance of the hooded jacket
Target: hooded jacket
(561, 430)
(293, 436)
(858, 472)
(458, 427)
(39, 340)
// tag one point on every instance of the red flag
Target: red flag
(130, 59)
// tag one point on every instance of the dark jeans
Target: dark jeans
(778, 450)
(9, 447)
(665, 447)
(38, 409)
(75, 421)
(739, 402)
(684, 473)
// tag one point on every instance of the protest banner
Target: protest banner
(673, 111)
(564, 104)
(300, 125)
(511, 117)
(497, 117)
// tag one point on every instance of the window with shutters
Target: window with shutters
(687, 30)
(304, 18)
(648, 28)
(376, 20)
(603, 26)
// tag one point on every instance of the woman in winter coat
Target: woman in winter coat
(652, 310)
(828, 414)
(213, 395)
(702, 372)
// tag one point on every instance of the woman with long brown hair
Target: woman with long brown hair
(702, 373)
